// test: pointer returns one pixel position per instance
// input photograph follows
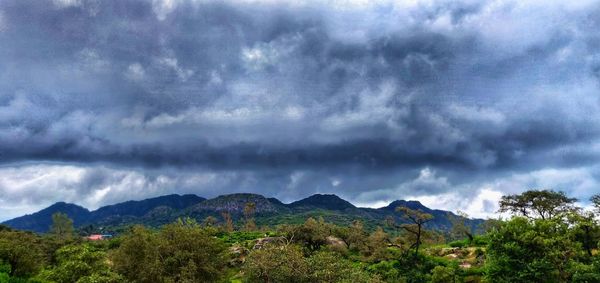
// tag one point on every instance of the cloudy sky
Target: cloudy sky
(453, 103)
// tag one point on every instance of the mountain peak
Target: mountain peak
(140, 207)
(325, 201)
(235, 203)
(412, 204)
(41, 220)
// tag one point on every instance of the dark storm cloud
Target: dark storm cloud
(449, 93)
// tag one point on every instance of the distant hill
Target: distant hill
(330, 202)
(142, 207)
(107, 215)
(41, 220)
(269, 211)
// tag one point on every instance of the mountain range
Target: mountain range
(268, 212)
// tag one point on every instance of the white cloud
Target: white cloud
(135, 72)
(66, 3)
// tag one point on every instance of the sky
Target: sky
(452, 103)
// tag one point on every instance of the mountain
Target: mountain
(330, 202)
(234, 204)
(40, 221)
(268, 211)
(142, 207)
(148, 210)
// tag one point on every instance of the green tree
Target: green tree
(138, 257)
(209, 221)
(22, 251)
(190, 253)
(331, 267)
(356, 236)
(375, 248)
(542, 204)
(585, 229)
(595, 199)
(249, 210)
(80, 263)
(524, 250)
(179, 252)
(460, 227)
(443, 274)
(275, 263)
(62, 226)
(415, 226)
(227, 222)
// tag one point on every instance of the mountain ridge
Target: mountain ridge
(268, 211)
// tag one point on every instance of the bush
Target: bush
(442, 274)
(182, 251)
(276, 264)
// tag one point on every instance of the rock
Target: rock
(465, 265)
(261, 242)
(335, 242)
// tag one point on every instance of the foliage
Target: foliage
(312, 234)
(80, 263)
(525, 250)
(22, 251)
(276, 264)
(553, 242)
(415, 226)
(443, 274)
(62, 226)
(286, 263)
(179, 252)
(460, 227)
(544, 204)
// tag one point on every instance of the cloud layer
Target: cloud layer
(374, 102)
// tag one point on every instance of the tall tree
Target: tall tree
(23, 251)
(62, 226)
(227, 222)
(596, 202)
(460, 227)
(249, 210)
(543, 204)
(209, 221)
(179, 252)
(416, 220)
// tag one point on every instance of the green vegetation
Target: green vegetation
(548, 239)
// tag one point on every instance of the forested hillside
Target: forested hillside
(546, 239)
(158, 211)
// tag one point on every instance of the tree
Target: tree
(80, 263)
(460, 226)
(189, 253)
(22, 251)
(275, 263)
(227, 222)
(325, 266)
(138, 257)
(210, 221)
(249, 210)
(585, 230)
(542, 204)
(356, 236)
(443, 274)
(595, 199)
(182, 251)
(375, 248)
(312, 234)
(525, 250)
(417, 220)
(62, 226)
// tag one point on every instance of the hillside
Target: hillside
(269, 211)
(121, 213)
